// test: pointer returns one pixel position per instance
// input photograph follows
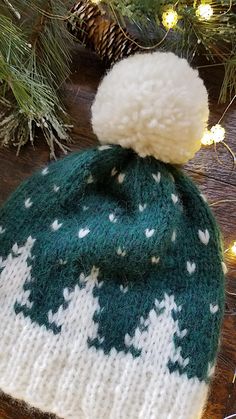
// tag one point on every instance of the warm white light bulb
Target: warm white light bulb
(170, 18)
(218, 133)
(233, 248)
(215, 135)
(207, 138)
(204, 11)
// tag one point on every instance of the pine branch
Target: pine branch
(192, 38)
(33, 64)
(12, 9)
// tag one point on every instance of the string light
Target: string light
(204, 11)
(170, 18)
(215, 135)
(218, 133)
(233, 248)
(207, 138)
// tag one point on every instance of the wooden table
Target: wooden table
(217, 181)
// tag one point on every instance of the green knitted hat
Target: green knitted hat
(111, 269)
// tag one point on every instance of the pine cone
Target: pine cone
(93, 27)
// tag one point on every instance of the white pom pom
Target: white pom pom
(154, 103)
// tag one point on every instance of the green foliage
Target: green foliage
(209, 42)
(35, 56)
(34, 62)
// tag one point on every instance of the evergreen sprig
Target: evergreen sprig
(34, 62)
(211, 42)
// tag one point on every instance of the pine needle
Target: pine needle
(213, 40)
(34, 62)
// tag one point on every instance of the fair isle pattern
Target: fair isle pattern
(60, 374)
(101, 284)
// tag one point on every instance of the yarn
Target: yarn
(153, 103)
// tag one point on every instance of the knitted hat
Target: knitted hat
(111, 271)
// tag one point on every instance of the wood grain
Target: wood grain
(217, 181)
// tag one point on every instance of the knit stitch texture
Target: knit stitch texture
(111, 289)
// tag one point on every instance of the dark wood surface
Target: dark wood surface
(216, 180)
